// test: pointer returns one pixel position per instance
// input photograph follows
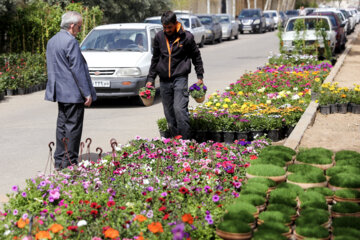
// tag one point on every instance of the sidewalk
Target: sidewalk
(338, 131)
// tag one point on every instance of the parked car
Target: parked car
(212, 26)
(157, 20)
(230, 27)
(270, 23)
(284, 18)
(289, 35)
(119, 57)
(292, 13)
(352, 20)
(347, 27)
(275, 15)
(252, 20)
(192, 24)
(309, 10)
(349, 23)
(337, 26)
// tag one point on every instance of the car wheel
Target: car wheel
(212, 42)
(237, 35)
(201, 44)
(229, 38)
(220, 38)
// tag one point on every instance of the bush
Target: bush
(326, 192)
(234, 226)
(346, 207)
(347, 193)
(312, 216)
(342, 169)
(304, 168)
(238, 208)
(281, 149)
(312, 231)
(274, 216)
(315, 156)
(266, 170)
(285, 209)
(348, 222)
(242, 216)
(162, 124)
(291, 187)
(345, 180)
(309, 177)
(266, 181)
(346, 155)
(253, 199)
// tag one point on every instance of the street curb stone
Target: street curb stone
(307, 119)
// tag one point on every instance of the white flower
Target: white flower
(295, 88)
(295, 97)
(146, 181)
(7, 232)
(268, 102)
(82, 223)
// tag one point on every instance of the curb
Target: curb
(307, 119)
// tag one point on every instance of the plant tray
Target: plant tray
(321, 166)
(340, 199)
(274, 178)
(334, 188)
(329, 199)
(309, 185)
(233, 236)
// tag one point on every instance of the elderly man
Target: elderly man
(70, 85)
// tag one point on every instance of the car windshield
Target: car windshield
(266, 15)
(186, 22)
(205, 20)
(156, 21)
(273, 14)
(224, 19)
(249, 13)
(292, 12)
(116, 40)
(310, 24)
(345, 13)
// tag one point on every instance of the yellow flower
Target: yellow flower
(225, 106)
(208, 104)
(227, 100)
(300, 94)
(317, 79)
(218, 104)
(240, 93)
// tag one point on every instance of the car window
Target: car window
(186, 22)
(152, 36)
(292, 12)
(249, 13)
(206, 20)
(310, 24)
(224, 19)
(157, 21)
(193, 23)
(273, 14)
(266, 15)
(116, 40)
(198, 23)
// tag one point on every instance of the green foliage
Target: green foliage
(304, 168)
(290, 187)
(266, 181)
(162, 124)
(348, 222)
(234, 226)
(346, 207)
(342, 169)
(326, 192)
(280, 149)
(345, 180)
(346, 155)
(273, 227)
(266, 170)
(347, 193)
(312, 216)
(315, 156)
(285, 209)
(237, 208)
(243, 216)
(274, 216)
(312, 231)
(346, 232)
(268, 235)
(285, 156)
(256, 188)
(253, 199)
(283, 196)
(309, 177)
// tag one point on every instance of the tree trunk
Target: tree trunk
(255, 4)
(248, 4)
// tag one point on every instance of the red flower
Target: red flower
(166, 217)
(98, 206)
(72, 228)
(177, 137)
(111, 203)
(253, 157)
(94, 212)
(148, 200)
(183, 190)
(93, 205)
(122, 207)
(69, 213)
(162, 208)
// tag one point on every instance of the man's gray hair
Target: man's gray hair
(69, 18)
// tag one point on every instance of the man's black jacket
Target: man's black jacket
(170, 61)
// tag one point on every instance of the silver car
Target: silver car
(230, 27)
(192, 24)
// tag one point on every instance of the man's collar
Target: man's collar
(63, 30)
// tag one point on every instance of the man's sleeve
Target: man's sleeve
(196, 58)
(154, 60)
(76, 64)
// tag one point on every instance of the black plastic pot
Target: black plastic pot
(229, 137)
(21, 91)
(333, 108)
(342, 108)
(215, 136)
(256, 134)
(274, 135)
(165, 134)
(242, 135)
(201, 136)
(9, 92)
(288, 130)
(2, 95)
(325, 109)
(355, 108)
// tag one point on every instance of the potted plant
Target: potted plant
(279, 148)
(242, 127)
(269, 234)
(347, 195)
(355, 100)
(318, 157)
(283, 196)
(341, 169)
(147, 95)
(268, 182)
(228, 128)
(290, 187)
(345, 233)
(345, 180)
(274, 216)
(237, 208)
(341, 209)
(312, 200)
(346, 154)
(326, 192)
(303, 169)
(313, 216)
(242, 216)
(307, 180)
(285, 209)
(254, 199)
(273, 127)
(343, 99)
(163, 128)
(347, 221)
(233, 229)
(325, 99)
(311, 231)
(267, 171)
(274, 153)
(198, 92)
(257, 126)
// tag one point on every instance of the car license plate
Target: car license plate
(100, 83)
(246, 28)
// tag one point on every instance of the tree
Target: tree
(7, 10)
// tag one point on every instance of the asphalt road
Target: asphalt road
(27, 123)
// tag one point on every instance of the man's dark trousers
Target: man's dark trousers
(69, 125)
(175, 99)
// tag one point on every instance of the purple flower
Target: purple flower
(216, 198)
(25, 216)
(237, 184)
(207, 212)
(204, 88)
(208, 217)
(150, 189)
(23, 194)
(15, 188)
(164, 194)
(178, 231)
(206, 188)
(43, 184)
(210, 222)
(150, 214)
(15, 212)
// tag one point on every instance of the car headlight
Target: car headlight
(123, 72)
(257, 21)
(208, 31)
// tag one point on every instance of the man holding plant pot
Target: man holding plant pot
(173, 50)
(69, 84)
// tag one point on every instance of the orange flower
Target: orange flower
(140, 218)
(187, 218)
(155, 227)
(55, 228)
(43, 235)
(22, 223)
(111, 233)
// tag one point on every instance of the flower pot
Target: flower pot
(242, 135)
(288, 130)
(215, 136)
(299, 237)
(193, 134)
(9, 92)
(340, 199)
(308, 185)
(277, 179)
(200, 100)
(355, 108)
(147, 101)
(256, 134)
(201, 136)
(274, 135)
(233, 236)
(333, 108)
(21, 91)
(229, 137)
(325, 109)
(2, 95)
(336, 214)
(342, 108)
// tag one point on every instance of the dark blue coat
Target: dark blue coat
(68, 74)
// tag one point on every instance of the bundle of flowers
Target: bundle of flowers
(198, 92)
(147, 92)
(159, 189)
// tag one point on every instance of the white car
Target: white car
(192, 24)
(119, 57)
(275, 15)
(229, 27)
(289, 34)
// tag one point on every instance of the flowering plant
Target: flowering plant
(147, 92)
(197, 91)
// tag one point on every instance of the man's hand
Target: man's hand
(148, 84)
(88, 102)
(200, 81)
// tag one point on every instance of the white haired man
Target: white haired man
(69, 84)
